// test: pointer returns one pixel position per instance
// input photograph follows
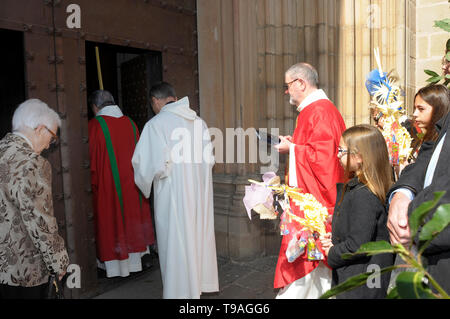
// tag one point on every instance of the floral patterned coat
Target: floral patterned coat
(30, 246)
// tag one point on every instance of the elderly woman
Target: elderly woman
(30, 247)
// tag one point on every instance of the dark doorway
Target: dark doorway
(12, 77)
(128, 73)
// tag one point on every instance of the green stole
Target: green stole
(113, 160)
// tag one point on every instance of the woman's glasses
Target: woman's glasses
(54, 136)
(342, 151)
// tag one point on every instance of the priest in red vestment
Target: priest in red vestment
(313, 167)
(123, 224)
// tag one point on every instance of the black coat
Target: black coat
(360, 218)
(437, 255)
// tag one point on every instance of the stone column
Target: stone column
(430, 41)
(364, 26)
(228, 68)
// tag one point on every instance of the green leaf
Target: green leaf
(393, 294)
(410, 286)
(431, 73)
(353, 283)
(443, 24)
(448, 45)
(435, 79)
(370, 249)
(447, 56)
(439, 221)
(419, 214)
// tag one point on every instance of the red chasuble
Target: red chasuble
(118, 232)
(316, 138)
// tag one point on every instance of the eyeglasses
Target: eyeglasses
(54, 136)
(288, 85)
(342, 152)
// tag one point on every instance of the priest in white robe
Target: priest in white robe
(174, 154)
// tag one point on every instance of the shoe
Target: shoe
(146, 262)
(154, 251)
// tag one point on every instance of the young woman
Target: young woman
(431, 103)
(360, 215)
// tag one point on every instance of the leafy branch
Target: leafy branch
(443, 24)
(435, 78)
(416, 284)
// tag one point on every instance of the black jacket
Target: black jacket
(360, 218)
(438, 253)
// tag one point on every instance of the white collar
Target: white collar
(110, 110)
(25, 138)
(313, 97)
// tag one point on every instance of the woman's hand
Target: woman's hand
(325, 240)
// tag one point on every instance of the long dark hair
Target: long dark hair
(438, 96)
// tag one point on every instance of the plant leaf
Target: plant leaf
(353, 283)
(439, 221)
(431, 73)
(443, 24)
(435, 79)
(370, 249)
(418, 215)
(393, 294)
(447, 56)
(410, 286)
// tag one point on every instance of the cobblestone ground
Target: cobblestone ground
(246, 280)
(237, 280)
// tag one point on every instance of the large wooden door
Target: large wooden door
(137, 77)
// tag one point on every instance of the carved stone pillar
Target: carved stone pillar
(363, 26)
(229, 88)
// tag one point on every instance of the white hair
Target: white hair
(305, 72)
(32, 113)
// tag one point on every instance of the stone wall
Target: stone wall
(364, 25)
(430, 40)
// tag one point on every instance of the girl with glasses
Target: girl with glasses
(360, 215)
